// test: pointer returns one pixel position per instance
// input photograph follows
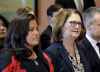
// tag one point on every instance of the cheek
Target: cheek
(93, 30)
(32, 39)
(81, 29)
(65, 33)
(28, 38)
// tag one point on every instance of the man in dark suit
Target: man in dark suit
(46, 35)
(76, 4)
(89, 43)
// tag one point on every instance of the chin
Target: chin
(75, 35)
(2, 36)
(35, 43)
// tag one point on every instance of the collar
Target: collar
(91, 40)
(93, 43)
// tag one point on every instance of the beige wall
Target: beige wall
(42, 14)
(97, 3)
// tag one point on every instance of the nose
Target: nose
(36, 33)
(77, 26)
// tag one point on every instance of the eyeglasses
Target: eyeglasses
(75, 23)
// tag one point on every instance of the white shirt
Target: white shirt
(93, 43)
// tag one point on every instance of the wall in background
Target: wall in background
(8, 7)
(42, 12)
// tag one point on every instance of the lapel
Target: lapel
(64, 56)
(83, 59)
(91, 51)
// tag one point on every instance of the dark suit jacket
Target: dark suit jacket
(61, 60)
(71, 4)
(45, 37)
(90, 54)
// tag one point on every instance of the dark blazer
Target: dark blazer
(71, 4)
(90, 54)
(61, 60)
(45, 37)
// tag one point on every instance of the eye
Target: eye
(73, 23)
(31, 29)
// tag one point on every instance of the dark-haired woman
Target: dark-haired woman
(22, 43)
(3, 30)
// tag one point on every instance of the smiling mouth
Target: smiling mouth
(36, 39)
(2, 32)
(75, 31)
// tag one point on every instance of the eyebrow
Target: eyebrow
(75, 22)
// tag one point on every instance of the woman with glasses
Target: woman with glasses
(66, 55)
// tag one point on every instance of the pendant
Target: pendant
(36, 63)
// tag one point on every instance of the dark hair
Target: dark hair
(17, 32)
(53, 8)
(5, 21)
(65, 4)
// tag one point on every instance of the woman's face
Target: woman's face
(32, 37)
(3, 30)
(72, 27)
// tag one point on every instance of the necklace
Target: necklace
(36, 63)
(77, 65)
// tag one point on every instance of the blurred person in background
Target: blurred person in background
(24, 10)
(90, 44)
(80, 5)
(46, 36)
(3, 30)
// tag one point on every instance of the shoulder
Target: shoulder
(5, 58)
(47, 31)
(53, 49)
(83, 43)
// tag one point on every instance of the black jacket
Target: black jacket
(45, 37)
(71, 4)
(61, 60)
(90, 54)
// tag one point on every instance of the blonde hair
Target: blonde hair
(58, 21)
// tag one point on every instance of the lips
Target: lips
(35, 39)
(2, 33)
(75, 31)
